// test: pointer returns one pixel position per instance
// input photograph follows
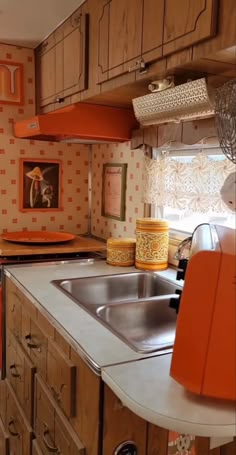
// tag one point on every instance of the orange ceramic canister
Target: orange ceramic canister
(121, 251)
(152, 241)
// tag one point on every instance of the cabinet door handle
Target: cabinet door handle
(12, 369)
(31, 345)
(139, 65)
(12, 432)
(49, 447)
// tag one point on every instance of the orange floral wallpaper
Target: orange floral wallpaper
(75, 160)
(104, 227)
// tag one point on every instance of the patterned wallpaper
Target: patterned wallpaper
(104, 227)
(74, 157)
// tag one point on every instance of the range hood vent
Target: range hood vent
(80, 123)
(190, 101)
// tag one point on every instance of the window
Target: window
(184, 188)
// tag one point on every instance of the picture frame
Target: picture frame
(12, 86)
(114, 190)
(40, 185)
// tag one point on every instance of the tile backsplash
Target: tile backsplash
(74, 157)
(105, 227)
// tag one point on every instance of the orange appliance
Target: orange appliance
(81, 122)
(204, 354)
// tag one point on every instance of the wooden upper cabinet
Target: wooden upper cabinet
(62, 60)
(152, 34)
(75, 53)
(119, 37)
(187, 22)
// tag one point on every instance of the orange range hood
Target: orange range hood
(82, 122)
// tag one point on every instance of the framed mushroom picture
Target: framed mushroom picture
(40, 185)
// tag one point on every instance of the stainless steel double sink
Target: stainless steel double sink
(134, 306)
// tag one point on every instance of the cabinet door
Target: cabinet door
(20, 373)
(121, 425)
(4, 440)
(61, 378)
(119, 37)
(53, 432)
(187, 22)
(13, 308)
(152, 36)
(75, 53)
(20, 433)
(35, 448)
(46, 69)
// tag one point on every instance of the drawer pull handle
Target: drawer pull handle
(31, 345)
(14, 374)
(49, 447)
(12, 432)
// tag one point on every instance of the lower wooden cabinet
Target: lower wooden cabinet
(4, 440)
(20, 432)
(52, 430)
(121, 427)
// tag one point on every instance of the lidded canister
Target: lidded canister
(121, 251)
(152, 241)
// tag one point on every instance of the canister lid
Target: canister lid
(122, 241)
(152, 222)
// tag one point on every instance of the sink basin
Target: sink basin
(134, 306)
(103, 290)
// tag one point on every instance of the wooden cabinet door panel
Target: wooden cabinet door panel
(120, 424)
(36, 449)
(13, 308)
(35, 344)
(61, 378)
(47, 77)
(75, 56)
(20, 433)
(119, 37)
(187, 22)
(53, 432)
(20, 373)
(3, 402)
(152, 35)
(4, 440)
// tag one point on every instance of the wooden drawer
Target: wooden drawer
(14, 301)
(61, 378)
(36, 449)
(20, 373)
(52, 430)
(20, 432)
(4, 440)
(35, 344)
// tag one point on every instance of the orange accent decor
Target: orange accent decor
(83, 120)
(11, 83)
(37, 237)
(204, 355)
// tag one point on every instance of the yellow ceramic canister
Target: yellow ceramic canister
(152, 240)
(121, 251)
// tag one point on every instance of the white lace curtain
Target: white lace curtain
(194, 184)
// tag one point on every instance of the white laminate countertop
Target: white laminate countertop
(141, 381)
(101, 347)
(146, 388)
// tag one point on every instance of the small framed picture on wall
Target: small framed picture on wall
(40, 185)
(114, 190)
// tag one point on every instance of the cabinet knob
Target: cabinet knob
(59, 99)
(139, 65)
(32, 345)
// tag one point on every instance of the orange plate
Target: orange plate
(37, 237)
